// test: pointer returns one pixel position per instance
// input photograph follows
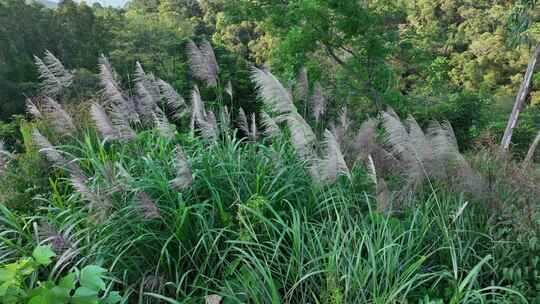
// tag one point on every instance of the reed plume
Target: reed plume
(63, 243)
(102, 122)
(271, 128)
(272, 92)
(202, 62)
(47, 149)
(318, 102)
(302, 137)
(99, 205)
(123, 130)
(57, 117)
(54, 76)
(365, 140)
(175, 102)
(333, 164)
(243, 122)
(163, 126)
(146, 207)
(32, 109)
(183, 175)
(113, 92)
(229, 89)
(302, 85)
(5, 156)
(383, 197)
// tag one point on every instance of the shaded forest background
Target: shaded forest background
(459, 60)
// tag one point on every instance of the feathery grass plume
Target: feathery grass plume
(443, 142)
(154, 283)
(57, 117)
(98, 204)
(418, 140)
(272, 92)
(109, 173)
(113, 92)
(333, 165)
(302, 84)
(254, 132)
(318, 102)
(340, 131)
(365, 139)
(382, 197)
(152, 85)
(102, 122)
(383, 159)
(146, 104)
(209, 127)
(250, 130)
(106, 70)
(448, 161)
(402, 148)
(47, 149)
(206, 121)
(229, 89)
(32, 109)
(60, 242)
(163, 126)
(140, 74)
(184, 177)
(146, 206)
(196, 60)
(123, 131)
(371, 172)
(55, 78)
(57, 68)
(271, 128)
(202, 62)
(242, 122)
(212, 299)
(197, 106)
(283, 118)
(147, 85)
(210, 56)
(4, 157)
(344, 121)
(175, 102)
(459, 212)
(302, 137)
(397, 138)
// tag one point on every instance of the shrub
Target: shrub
(79, 287)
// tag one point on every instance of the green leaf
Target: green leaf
(113, 298)
(4, 288)
(7, 274)
(473, 274)
(61, 293)
(37, 300)
(25, 266)
(43, 255)
(91, 277)
(68, 281)
(48, 295)
(84, 295)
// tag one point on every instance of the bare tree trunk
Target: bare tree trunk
(523, 92)
(532, 148)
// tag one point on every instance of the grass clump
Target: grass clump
(181, 207)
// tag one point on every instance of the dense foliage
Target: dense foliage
(145, 150)
(457, 60)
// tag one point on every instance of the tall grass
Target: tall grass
(254, 228)
(278, 219)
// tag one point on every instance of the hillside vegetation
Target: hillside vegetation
(296, 154)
